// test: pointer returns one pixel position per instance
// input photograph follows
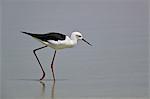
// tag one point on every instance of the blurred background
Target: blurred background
(115, 66)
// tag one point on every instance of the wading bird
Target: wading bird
(56, 41)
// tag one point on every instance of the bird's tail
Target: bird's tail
(31, 34)
(26, 32)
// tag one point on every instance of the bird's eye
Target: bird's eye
(79, 35)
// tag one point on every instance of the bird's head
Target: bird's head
(78, 36)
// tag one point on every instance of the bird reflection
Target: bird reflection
(42, 94)
(53, 90)
(42, 89)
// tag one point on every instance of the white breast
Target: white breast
(61, 44)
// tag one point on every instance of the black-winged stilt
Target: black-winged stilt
(56, 41)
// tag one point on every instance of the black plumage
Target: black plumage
(49, 36)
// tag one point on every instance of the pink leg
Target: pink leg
(39, 60)
(52, 65)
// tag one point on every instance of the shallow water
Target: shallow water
(115, 67)
(67, 89)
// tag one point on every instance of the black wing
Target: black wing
(49, 36)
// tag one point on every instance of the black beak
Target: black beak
(86, 42)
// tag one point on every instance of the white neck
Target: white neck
(73, 39)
